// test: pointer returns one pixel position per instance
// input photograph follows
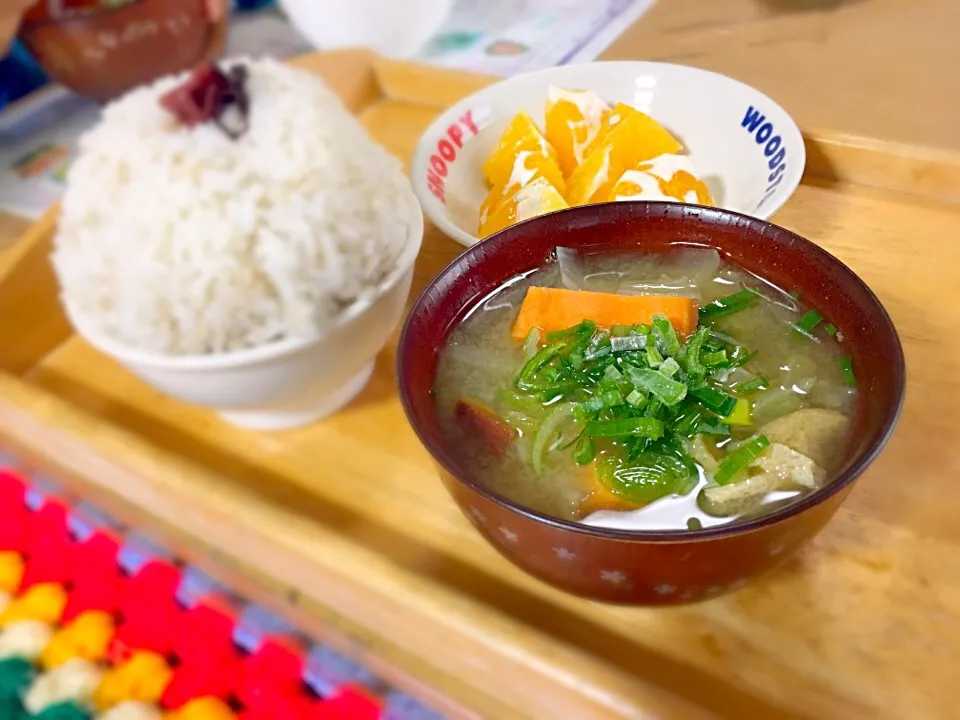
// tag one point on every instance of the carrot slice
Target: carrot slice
(551, 309)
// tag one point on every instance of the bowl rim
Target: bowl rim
(843, 480)
(423, 149)
(262, 353)
(94, 15)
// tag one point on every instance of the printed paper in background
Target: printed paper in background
(38, 137)
(508, 37)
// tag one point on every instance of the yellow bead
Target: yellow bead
(11, 571)
(207, 708)
(87, 637)
(44, 602)
(143, 678)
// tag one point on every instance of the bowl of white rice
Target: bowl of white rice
(234, 237)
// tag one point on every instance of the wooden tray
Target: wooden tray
(347, 522)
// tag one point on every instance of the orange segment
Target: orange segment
(537, 198)
(574, 119)
(522, 134)
(666, 177)
(635, 137)
(527, 167)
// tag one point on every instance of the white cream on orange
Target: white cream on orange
(591, 106)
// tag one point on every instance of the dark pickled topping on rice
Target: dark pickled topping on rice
(209, 94)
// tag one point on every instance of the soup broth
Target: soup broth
(735, 400)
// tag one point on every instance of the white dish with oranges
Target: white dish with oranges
(612, 131)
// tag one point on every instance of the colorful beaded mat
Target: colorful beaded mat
(98, 625)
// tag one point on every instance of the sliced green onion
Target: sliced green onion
(713, 427)
(585, 451)
(636, 399)
(754, 385)
(688, 419)
(668, 391)
(625, 344)
(716, 400)
(642, 426)
(742, 413)
(669, 367)
(737, 460)
(846, 370)
(611, 398)
(654, 358)
(691, 355)
(611, 373)
(545, 434)
(667, 338)
(728, 305)
(585, 328)
(532, 343)
(714, 359)
(620, 330)
(808, 323)
(830, 329)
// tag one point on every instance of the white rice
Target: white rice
(182, 241)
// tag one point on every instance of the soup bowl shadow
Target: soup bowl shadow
(653, 567)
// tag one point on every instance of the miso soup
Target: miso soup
(647, 391)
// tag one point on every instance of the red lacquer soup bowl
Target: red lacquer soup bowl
(647, 567)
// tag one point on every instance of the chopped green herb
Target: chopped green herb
(643, 426)
(728, 305)
(716, 400)
(636, 399)
(654, 358)
(754, 385)
(585, 451)
(846, 370)
(714, 359)
(830, 329)
(629, 343)
(713, 427)
(737, 460)
(618, 331)
(585, 328)
(694, 524)
(532, 343)
(667, 341)
(668, 391)
(669, 367)
(808, 323)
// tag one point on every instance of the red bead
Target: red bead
(209, 661)
(271, 675)
(13, 511)
(48, 545)
(350, 703)
(95, 576)
(149, 607)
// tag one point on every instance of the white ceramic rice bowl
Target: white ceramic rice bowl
(744, 145)
(288, 383)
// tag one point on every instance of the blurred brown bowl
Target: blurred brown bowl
(103, 54)
(652, 567)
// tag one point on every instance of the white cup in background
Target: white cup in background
(396, 28)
